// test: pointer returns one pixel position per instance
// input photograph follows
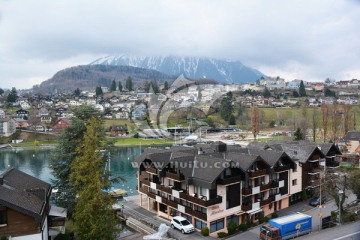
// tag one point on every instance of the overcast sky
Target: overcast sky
(304, 39)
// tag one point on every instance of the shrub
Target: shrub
(266, 219)
(222, 234)
(231, 227)
(304, 195)
(261, 217)
(205, 231)
(248, 224)
(136, 135)
(3, 238)
(36, 143)
(274, 215)
(243, 227)
(62, 236)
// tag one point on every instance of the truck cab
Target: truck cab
(268, 232)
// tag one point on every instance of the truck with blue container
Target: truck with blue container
(286, 227)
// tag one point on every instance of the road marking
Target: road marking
(347, 235)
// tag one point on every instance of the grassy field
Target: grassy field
(143, 142)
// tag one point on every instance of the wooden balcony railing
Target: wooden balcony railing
(265, 186)
(172, 204)
(246, 207)
(145, 182)
(143, 190)
(200, 215)
(229, 180)
(267, 201)
(151, 194)
(188, 210)
(152, 170)
(247, 191)
(175, 176)
(257, 173)
(274, 184)
(200, 201)
(163, 188)
(282, 168)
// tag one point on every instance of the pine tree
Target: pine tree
(129, 84)
(226, 107)
(65, 153)
(302, 91)
(155, 86)
(1, 91)
(298, 135)
(120, 86)
(94, 216)
(266, 93)
(232, 120)
(77, 92)
(113, 86)
(166, 86)
(98, 91)
(12, 96)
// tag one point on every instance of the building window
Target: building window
(199, 224)
(3, 216)
(294, 182)
(233, 218)
(217, 225)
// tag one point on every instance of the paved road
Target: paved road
(344, 232)
(132, 208)
(253, 234)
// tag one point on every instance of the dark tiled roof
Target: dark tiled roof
(352, 136)
(24, 193)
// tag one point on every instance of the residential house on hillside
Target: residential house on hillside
(352, 140)
(7, 126)
(2, 113)
(119, 130)
(22, 113)
(25, 211)
(60, 124)
(21, 123)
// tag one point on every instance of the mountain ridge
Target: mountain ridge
(223, 71)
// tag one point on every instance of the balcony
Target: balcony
(333, 164)
(200, 201)
(282, 168)
(314, 171)
(265, 186)
(188, 210)
(152, 170)
(151, 195)
(172, 204)
(274, 184)
(164, 200)
(246, 207)
(229, 180)
(175, 176)
(258, 173)
(145, 181)
(163, 188)
(267, 201)
(247, 191)
(143, 190)
(200, 215)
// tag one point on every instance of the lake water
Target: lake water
(35, 162)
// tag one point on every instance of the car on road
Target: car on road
(315, 201)
(182, 224)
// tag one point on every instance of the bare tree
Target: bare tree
(325, 115)
(346, 109)
(335, 121)
(255, 121)
(314, 124)
(303, 120)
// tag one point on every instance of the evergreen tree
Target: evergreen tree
(120, 86)
(94, 216)
(155, 86)
(295, 94)
(166, 86)
(12, 96)
(226, 106)
(129, 84)
(232, 120)
(77, 92)
(302, 91)
(266, 93)
(64, 154)
(98, 91)
(298, 135)
(1, 91)
(255, 121)
(113, 86)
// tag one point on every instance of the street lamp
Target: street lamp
(341, 192)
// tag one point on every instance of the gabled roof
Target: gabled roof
(352, 136)
(24, 193)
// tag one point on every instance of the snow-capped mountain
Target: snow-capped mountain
(223, 71)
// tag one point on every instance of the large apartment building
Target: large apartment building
(212, 184)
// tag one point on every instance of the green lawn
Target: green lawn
(140, 141)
